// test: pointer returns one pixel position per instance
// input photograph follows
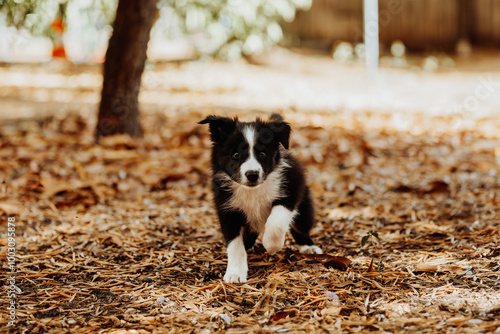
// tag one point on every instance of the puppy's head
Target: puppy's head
(247, 152)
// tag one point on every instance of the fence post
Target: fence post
(370, 10)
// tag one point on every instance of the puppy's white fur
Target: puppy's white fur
(237, 266)
(251, 163)
(255, 202)
(310, 249)
(277, 224)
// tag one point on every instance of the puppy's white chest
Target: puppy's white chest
(256, 202)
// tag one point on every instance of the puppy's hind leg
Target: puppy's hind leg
(306, 245)
(249, 237)
(301, 227)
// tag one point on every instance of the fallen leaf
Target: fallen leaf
(191, 306)
(337, 262)
(111, 155)
(428, 267)
(436, 187)
(283, 314)
(433, 187)
(118, 141)
(331, 311)
(113, 239)
(162, 183)
(402, 189)
(10, 209)
(370, 268)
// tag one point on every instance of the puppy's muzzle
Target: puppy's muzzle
(252, 177)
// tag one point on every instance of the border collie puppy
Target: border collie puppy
(259, 188)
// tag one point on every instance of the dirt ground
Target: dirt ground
(122, 237)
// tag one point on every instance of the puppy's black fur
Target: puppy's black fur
(258, 185)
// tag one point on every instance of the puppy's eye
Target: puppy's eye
(236, 155)
(262, 155)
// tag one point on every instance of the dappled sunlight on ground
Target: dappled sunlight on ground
(124, 234)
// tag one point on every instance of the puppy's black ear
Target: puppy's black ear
(276, 117)
(281, 130)
(220, 126)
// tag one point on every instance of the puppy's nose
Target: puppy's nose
(252, 175)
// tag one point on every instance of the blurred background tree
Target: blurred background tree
(125, 59)
(227, 29)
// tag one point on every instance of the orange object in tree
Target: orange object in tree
(57, 26)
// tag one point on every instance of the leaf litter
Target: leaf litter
(122, 237)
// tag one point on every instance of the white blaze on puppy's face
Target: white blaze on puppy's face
(251, 164)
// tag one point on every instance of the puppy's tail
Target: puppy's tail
(276, 117)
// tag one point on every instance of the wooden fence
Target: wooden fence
(420, 24)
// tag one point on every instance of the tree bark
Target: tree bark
(123, 67)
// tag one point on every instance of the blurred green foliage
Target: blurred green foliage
(229, 29)
(30, 14)
(226, 29)
(36, 16)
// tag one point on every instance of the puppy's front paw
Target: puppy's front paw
(235, 276)
(310, 249)
(273, 241)
(277, 224)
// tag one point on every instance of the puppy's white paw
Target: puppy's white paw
(277, 224)
(273, 241)
(235, 276)
(310, 249)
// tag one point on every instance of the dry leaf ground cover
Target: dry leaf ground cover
(121, 237)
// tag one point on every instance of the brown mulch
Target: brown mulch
(122, 237)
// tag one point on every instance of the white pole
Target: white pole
(371, 36)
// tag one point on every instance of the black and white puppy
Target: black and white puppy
(258, 187)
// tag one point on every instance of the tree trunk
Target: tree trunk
(123, 67)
